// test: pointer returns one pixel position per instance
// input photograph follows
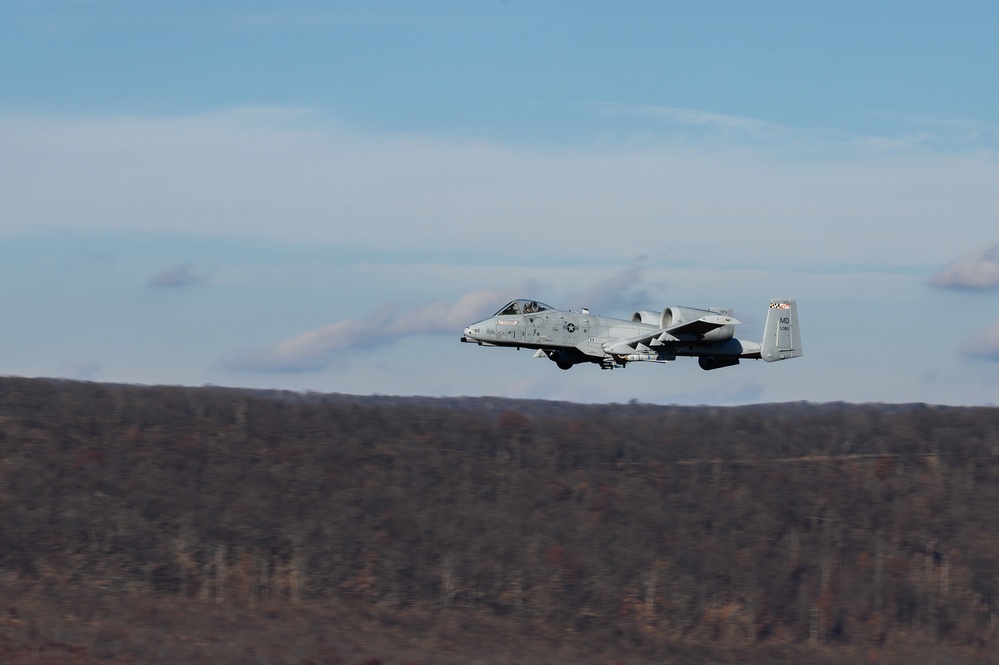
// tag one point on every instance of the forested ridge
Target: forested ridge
(167, 524)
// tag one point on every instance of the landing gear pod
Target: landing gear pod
(715, 362)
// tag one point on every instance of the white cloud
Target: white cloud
(323, 347)
(985, 345)
(695, 117)
(808, 141)
(978, 269)
(286, 175)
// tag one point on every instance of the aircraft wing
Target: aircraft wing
(681, 332)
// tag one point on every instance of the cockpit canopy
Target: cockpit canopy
(516, 307)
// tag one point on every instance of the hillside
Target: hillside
(164, 524)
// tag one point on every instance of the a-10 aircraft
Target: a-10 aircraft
(570, 338)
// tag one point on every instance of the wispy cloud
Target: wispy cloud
(290, 174)
(985, 345)
(177, 277)
(621, 291)
(750, 127)
(914, 133)
(978, 269)
(323, 347)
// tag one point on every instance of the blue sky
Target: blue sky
(320, 195)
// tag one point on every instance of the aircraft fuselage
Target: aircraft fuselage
(569, 338)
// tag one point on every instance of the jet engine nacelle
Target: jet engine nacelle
(645, 316)
(673, 316)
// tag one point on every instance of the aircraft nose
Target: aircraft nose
(473, 333)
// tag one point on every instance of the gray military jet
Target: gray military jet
(570, 338)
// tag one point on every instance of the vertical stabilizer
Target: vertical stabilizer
(781, 336)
